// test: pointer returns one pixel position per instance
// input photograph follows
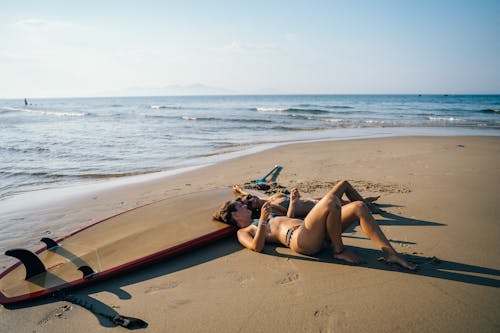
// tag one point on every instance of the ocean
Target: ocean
(65, 145)
(63, 142)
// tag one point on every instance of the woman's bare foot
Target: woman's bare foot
(372, 199)
(394, 258)
(374, 208)
(348, 256)
(237, 190)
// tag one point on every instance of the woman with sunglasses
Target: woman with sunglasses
(326, 221)
(280, 202)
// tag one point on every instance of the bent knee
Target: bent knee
(342, 182)
(360, 207)
(333, 201)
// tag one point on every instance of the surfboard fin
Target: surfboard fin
(31, 262)
(51, 244)
(87, 272)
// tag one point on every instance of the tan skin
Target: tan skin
(304, 206)
(326, 220)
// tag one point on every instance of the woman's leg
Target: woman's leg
(324, 220)
(344, 187)
(359, 211)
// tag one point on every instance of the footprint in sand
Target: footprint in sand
(239, 277)
(177, 303)
(335, 318)
(289, 278)
(161, 287)
(324, 311)
(56, 313)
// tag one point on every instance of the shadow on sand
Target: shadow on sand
(428, 267)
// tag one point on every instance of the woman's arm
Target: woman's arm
(255, 240)
(294, 198)
(278, 210)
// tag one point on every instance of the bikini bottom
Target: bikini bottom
(289, 234)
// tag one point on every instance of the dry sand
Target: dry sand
(441, 198)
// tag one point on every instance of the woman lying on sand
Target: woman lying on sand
(326, 220)
(280, 201)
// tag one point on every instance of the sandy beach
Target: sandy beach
(441, 198)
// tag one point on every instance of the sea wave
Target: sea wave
(37, 149)
(325, 106)
(225, 144)
(279, 110)
(452, 119)
(491, 111)
(291, 110)
(51, 175)
(191, 118)
(313, 111)
(291, 128)
(37, 174)
(335, 120)
(115, 175)
(6, 109)
(171, 107)
(162, 116)
(232, 120)
(299, 116)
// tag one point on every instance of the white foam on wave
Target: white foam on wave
(45, 112)
(272, 109)
(431, 118)
(334, 120)
(157, 107)
(189, 118)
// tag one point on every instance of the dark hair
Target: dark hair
(224, 214)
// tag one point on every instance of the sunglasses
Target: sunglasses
(247, 200)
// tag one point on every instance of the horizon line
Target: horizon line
(255, 94)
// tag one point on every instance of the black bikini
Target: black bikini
(289, 234)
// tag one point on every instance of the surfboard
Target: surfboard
(123, 242)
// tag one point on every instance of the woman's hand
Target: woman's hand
(294, 196)
(265, 212)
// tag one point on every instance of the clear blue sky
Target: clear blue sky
(88, 48)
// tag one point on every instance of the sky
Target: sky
(115, 48)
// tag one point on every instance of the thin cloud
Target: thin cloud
(40, 24)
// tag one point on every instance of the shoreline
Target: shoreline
(440, 194)
(30, 200)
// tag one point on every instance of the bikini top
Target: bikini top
(285, 203)
(255, 222)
